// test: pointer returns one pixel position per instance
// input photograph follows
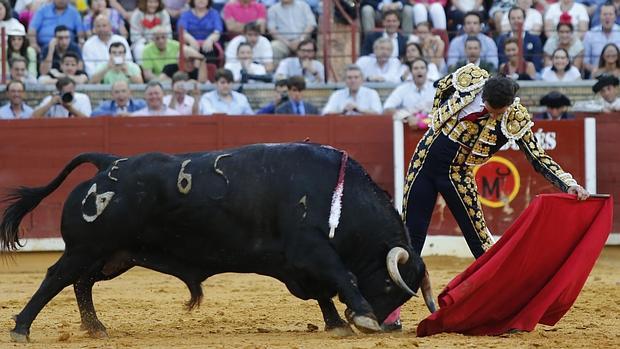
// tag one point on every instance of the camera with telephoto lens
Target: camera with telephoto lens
(66, 97)
(245, 77)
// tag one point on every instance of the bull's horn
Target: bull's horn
(398, 255)
(427, 292)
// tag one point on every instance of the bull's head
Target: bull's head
(394, 284)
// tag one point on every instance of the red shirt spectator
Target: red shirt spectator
(240, 12)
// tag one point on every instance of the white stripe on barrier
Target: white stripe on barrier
(399, 164)
(590, 154)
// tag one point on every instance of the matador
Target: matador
(472, 117)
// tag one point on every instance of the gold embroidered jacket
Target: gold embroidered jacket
(481, 138)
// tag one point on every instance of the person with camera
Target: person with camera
(244, 67)
(180, 100)
(117, 68)
(280, 97)
(65, 103)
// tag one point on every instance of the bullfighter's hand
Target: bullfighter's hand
(578, 190)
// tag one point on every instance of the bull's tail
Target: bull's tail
(23, 199)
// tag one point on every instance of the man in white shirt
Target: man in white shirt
(65, 103)
(289, 22)
(415, 96)
(223, 100)
(607, 87)
(381, 67)
(154, 96)
(261, 47)
(15, 108)
(355, 99)
(95, 50)
(303, 65)
(179, 100)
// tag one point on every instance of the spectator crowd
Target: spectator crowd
(66, 43)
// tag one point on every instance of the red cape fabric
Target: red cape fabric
(533, 274)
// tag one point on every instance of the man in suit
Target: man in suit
(391, 23)
(531, 43)
(472, 52)
(296, 105)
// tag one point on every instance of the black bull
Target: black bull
(258, 209)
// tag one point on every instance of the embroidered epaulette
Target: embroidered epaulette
(516, 121)
(469, 78)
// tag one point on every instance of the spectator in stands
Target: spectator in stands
(567, 10)
(174, 9)
(159, 53)
(296, 104)
(96, 48)
(18, 46)
(289, 22)
(121, 104)
(261, 47)
(237, 14)
(179, 100)
(373, 10)
(194, 66)
(607, 87)
(416, 96)
(381, 66)
(561, 69)
(415, 51)
(280, 96)
(472, 27)
(304, 64)
(565, 38)
(223, 100)
(124, 7)
(533, 19)
(433, 47)
(244, 64)
(516, 67)
(19, 71)
(56, 49)
(69, 67)
(203, 27)
(423, 9)
(7, 21)
(458, 11)
(609, 62)
(391, 22)
(556, 105)
(155, 106)
(48, 17)
(497, 11)
(65, 103)
(354, 99)
(599, 36)
(117, 68)
(473, 49)
(149, 15)
(595, 15)
(16, 108)
(100, 7)
(531, 43)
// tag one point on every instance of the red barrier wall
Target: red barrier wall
(32, 152)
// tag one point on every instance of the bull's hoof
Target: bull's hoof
(366, 324)
(19, 337)
(99, 334)
(340, 331)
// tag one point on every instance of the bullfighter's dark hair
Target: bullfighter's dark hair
(499, 91)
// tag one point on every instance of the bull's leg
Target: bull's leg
(62, 274)
(84, 294)
(324, 264)
(333, 322)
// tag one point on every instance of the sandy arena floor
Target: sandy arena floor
(144, 309)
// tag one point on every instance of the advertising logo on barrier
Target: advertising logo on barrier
(498, 181)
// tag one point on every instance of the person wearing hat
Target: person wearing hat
(607, 87)
(557, 106)
(18, 45)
